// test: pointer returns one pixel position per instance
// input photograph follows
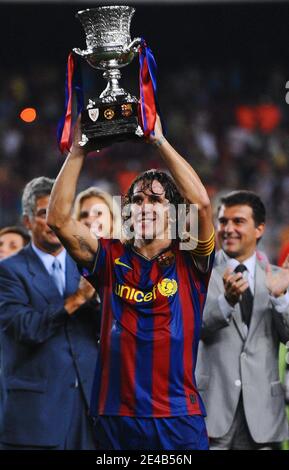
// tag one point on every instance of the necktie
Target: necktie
(246, 302)
(57, 275)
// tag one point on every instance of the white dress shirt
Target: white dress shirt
(48, 260)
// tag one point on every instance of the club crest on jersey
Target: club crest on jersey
(166, 259)
(93, 114)
(168, 287)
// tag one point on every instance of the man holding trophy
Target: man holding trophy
(152, 291)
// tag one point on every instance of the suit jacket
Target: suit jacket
(229, 362)
(45, 351)
(2, 395)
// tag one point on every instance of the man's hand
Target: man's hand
(73, 302)
(84, 292)
(86, 289)
(157, 138)
(278, 283)
(235, 285)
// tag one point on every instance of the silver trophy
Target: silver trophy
(113, 116)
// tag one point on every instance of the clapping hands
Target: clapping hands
(278, 283)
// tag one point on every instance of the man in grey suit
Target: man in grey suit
(245, 318)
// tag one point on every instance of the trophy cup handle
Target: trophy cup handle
(82, 53)
(132, 46)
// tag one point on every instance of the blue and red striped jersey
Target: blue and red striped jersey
(151, 321)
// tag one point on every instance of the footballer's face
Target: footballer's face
(149, 210)
(237, 231)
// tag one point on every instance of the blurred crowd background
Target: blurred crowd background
(224, 111)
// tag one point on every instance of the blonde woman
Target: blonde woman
(96, 209)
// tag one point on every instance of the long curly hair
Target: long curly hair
(147, 177)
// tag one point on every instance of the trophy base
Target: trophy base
(104, 124)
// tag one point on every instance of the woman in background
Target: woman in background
(12, 239)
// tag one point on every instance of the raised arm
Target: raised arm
(75, 236)
(187, 180)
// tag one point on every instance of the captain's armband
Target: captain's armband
(204, 247)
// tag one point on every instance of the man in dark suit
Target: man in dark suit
(49, 339)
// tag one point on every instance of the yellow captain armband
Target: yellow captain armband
(204, 247)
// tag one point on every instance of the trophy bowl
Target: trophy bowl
(108, 40)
